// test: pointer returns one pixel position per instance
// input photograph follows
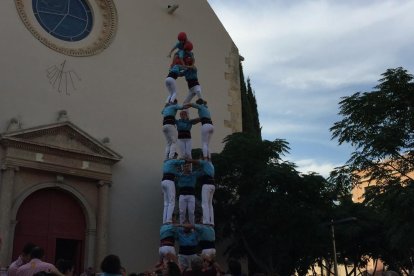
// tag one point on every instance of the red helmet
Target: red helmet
(182, 36)
(188, 46)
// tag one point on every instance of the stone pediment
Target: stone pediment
(62, 137)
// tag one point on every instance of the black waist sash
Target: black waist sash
(187, 250)
(168, 241)
(184, 134)
(168, 176)
(206, 179)
(191, 83)
(207, 244)
(168, 120)
(205, 120)
(187, 191)
(173, 75)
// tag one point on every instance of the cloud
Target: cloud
(302, 56)
(318, 41)
(279, 128)
(311, 165)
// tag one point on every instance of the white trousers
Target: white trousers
(171, 85)
(185, 146)
(186, 204)
(207, 131)
(165, 250)
(185, 261)
(207, 192)
(211, 252)
(168, 189)
(170, 133)
(195, 90)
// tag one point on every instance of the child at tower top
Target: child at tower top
(179, 64)
(190, 75)
(182, 39)
(182, 49)
(178, 69)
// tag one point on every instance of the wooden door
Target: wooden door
(54, 220)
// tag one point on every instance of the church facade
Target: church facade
(82, 86)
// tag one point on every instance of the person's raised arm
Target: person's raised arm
(172, 50)
(195, 121)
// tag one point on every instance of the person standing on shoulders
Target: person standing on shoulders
(191, 74)
(179, 46)
(186, 189)
(169, 172)
(184, 125)
(207, 128)
(168, 127)
(207, 190)
(177, 67)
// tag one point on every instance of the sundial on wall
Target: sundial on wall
(62, 79)
(77, 28)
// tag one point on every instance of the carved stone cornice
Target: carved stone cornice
(61, 148)
(38, 147)
(5, 167)
(10, 162)
(26, 139)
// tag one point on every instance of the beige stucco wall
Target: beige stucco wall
(120, 96)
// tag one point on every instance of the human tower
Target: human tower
(179, 169)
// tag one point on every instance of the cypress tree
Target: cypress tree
(250, 115)
(253, 109)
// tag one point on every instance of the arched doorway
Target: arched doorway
(54, 220)
(54, 191)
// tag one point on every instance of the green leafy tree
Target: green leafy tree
(357, 241)
(269, 213)
(379, 124)
(394, 205)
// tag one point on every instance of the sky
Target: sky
(302, 56)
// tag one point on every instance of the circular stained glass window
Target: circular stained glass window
(69, 20)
